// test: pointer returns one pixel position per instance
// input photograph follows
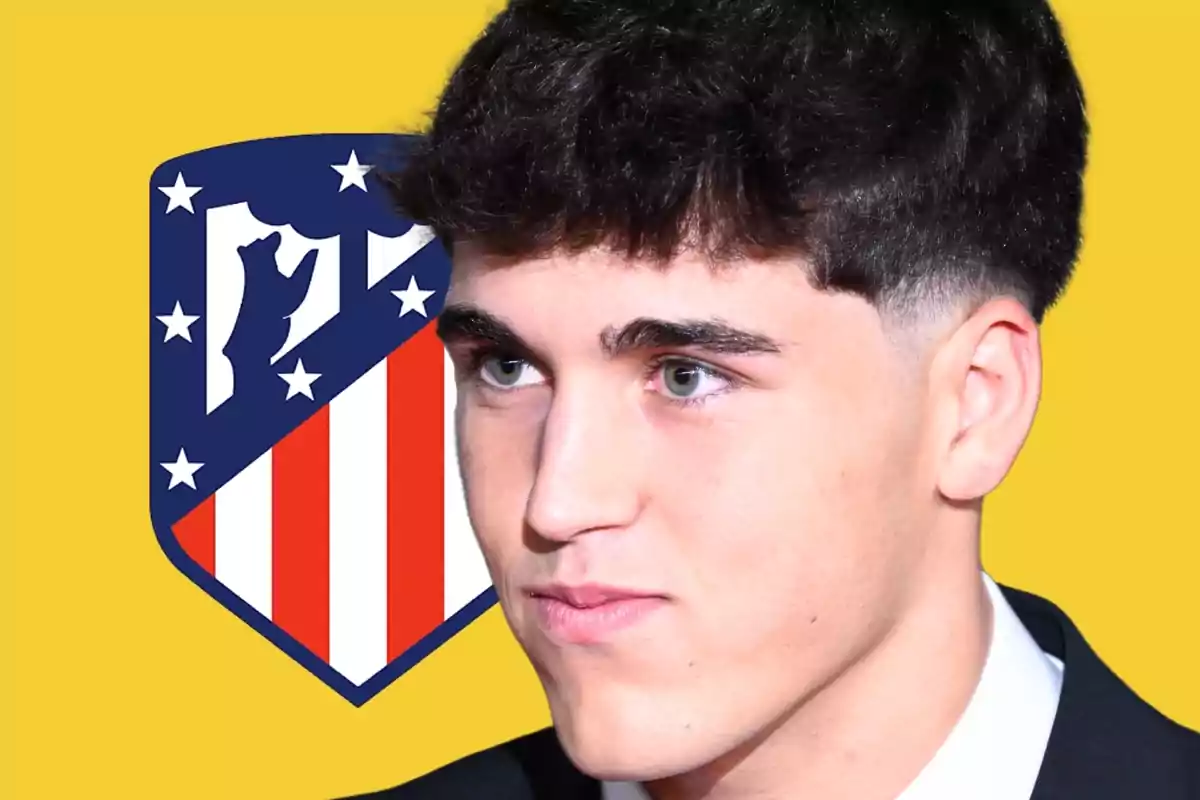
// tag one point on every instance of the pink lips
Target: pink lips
(589, 613)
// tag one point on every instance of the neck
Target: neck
(868, 732)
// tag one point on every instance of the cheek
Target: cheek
(497, 455)
(785, 515)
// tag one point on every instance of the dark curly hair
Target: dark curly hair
(903, 149)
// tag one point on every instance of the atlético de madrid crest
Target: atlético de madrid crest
(302, 459)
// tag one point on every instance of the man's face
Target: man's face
(737, 450)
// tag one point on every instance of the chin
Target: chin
(633, 736)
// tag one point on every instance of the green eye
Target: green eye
(505, 372)
(689, 381)
(682, 379)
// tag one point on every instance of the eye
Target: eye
(506, 372)
(688, 381)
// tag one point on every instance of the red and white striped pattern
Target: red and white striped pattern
(351, 533)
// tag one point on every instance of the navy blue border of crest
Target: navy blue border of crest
(163, 522)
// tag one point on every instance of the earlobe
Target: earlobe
(992, 383)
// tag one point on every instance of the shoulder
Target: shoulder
(1169, 758)
(532, 767)
(1187, 742)
(1106, 737)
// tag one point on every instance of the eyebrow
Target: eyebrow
(464, 323)
(648, 333)
(461, 322)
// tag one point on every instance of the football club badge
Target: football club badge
(302, 457)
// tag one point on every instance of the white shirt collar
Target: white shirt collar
(1010, 713)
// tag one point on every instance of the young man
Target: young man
(744, 316)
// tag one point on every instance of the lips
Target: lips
(591, 613)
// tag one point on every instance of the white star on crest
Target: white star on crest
(180, 194)
(177, 323)
(413, 298)
(352, 172)
(299, 381)
(182, 471)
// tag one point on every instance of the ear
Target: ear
(987, 379)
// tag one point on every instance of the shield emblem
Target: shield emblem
(302, 455)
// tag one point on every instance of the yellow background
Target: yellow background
(122, 679)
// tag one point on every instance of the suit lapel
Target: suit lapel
(1106, 741)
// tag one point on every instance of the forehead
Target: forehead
(564, 295)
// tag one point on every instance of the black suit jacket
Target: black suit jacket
(1106, 743)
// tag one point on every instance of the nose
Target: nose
(588, 468)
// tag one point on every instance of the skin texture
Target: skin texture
(811, 517)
